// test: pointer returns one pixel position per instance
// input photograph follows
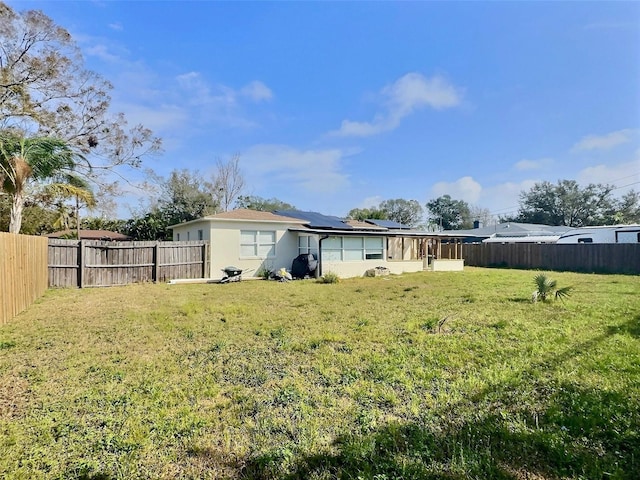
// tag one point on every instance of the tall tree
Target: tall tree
(185, 196)
(228, 182)
(46, 91)
(627, 209)
(25, 160)
(75, 188)
(566, 203)
(407, 212)
(480, 214)
(254, 202)
(362, 214)
(450, 214)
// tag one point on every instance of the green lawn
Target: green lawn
(306, 380)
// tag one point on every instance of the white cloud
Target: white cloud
(465, 188)
(525, 164)
(257, 91)
(160, 118)
(203, 92)
(200, 92)
(371, 202)
(603, 142)
(102, 52)
(116, 26)
(501, 199)
(406, 95)
(624, 175)
(282, 167)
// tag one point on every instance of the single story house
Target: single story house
(253, 241)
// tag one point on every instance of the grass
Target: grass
(429, 375)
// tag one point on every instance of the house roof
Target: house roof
(513, 229)
(317, 223)
(244, 214)
(379, 232)
(316, 220)
(358, 225)
(90, 235)
(523, 239)
(388, 224)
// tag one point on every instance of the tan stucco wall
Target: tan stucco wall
(225, 245)
(358, 269)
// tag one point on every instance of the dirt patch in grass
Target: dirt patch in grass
(14, 396)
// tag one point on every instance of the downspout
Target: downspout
(324, 237)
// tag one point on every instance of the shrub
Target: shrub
(265, 272)
(329, 277)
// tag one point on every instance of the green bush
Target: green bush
(265, 272)
(329, 277)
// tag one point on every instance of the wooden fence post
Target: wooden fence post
(81, 263)
(204, 260)
(156, 262)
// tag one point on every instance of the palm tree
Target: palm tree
(546, 288)
(36, 159)
(76, 188)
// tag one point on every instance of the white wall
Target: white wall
(225, 247)
(189, 232)
(446, 265)
(358, 268)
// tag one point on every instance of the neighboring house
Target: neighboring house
(90, 235)
(513, 232)
(253, 241)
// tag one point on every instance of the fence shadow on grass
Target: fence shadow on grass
(528, 426)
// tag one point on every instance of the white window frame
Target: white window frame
(258, 243)
(307, 244)
(343, 249)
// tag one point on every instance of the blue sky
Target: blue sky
(337, 105)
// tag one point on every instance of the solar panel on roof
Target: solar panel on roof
(316, 220)
(388, 224)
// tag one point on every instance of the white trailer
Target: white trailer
(604, 234)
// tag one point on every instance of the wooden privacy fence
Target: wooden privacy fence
(23, 272)
(94, 263)
(581, 257)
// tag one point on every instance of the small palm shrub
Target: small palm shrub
(547, 289)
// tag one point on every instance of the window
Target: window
(200, 235)
(332, 249)
(629, 236)
(585, 240)
(188, 236)
(307, 244)
(373, 248)
(351, 249)
(256, 243)
(177, 237)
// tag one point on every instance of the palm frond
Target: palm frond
(67, 190)
(562, 293)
